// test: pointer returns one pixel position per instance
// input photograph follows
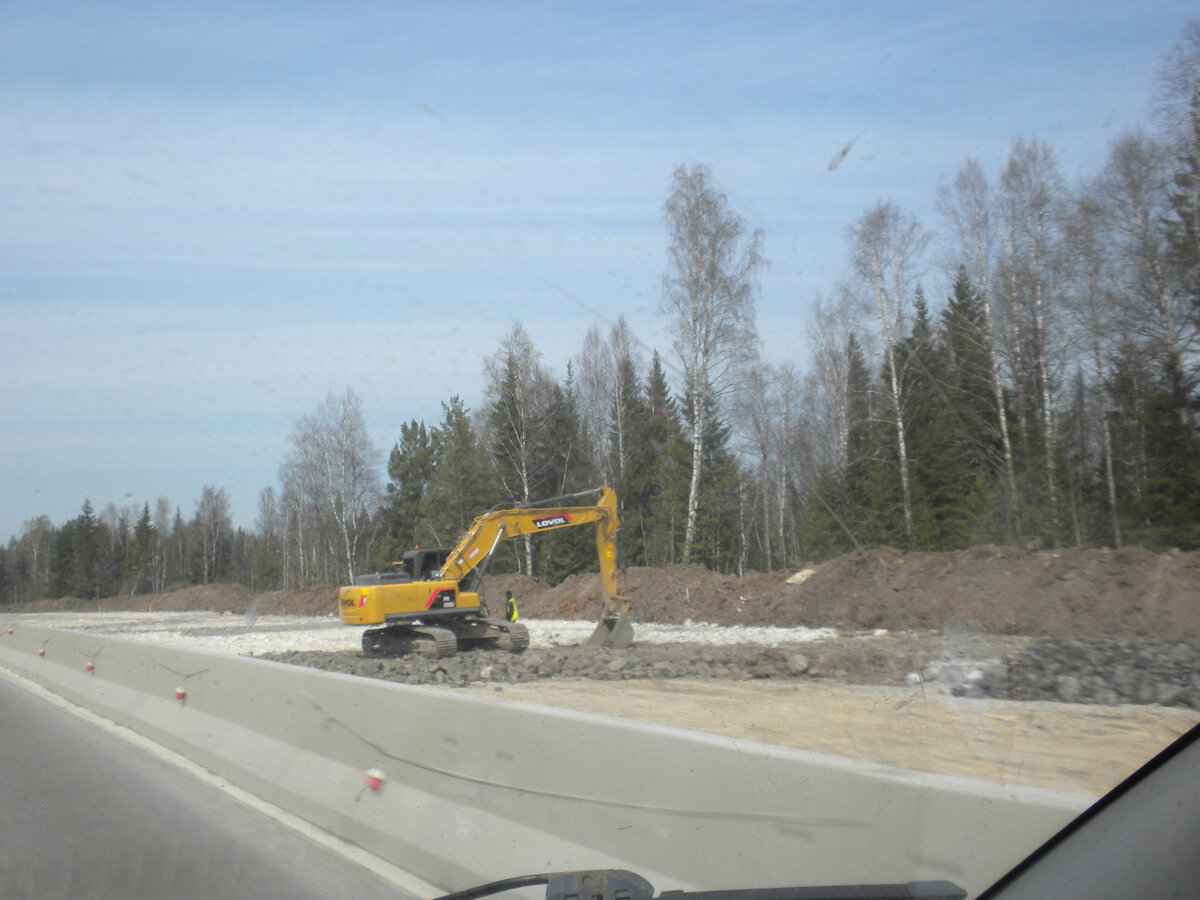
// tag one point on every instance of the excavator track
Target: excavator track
(513, 637)
(403, 640)
(483, 633)
(436, 642)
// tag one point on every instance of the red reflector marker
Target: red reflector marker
(180, 693)
(375, 780)
(41, 653)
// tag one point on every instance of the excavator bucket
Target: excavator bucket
(614, 632)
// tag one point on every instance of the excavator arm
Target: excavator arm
(487, 531)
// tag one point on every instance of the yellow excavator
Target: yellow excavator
(429, 602)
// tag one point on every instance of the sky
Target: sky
(212, 214)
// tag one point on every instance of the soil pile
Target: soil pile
(1010, 591)
(316, 600)
(1003, 590)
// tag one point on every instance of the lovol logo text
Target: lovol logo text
(551, 521)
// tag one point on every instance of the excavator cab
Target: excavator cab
(418, 564)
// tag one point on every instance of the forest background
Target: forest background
(1051, 399)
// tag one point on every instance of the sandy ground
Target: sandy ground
(254, 634)
(1068, 747)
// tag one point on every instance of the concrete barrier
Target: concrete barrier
(479, 789)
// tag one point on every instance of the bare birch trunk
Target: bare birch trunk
(902, 446)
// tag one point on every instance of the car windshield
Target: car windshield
(861, 343)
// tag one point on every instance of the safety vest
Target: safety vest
(510, 610)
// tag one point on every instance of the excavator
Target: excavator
(429, 601)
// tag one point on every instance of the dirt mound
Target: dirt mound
(1002, 590)
(315, 600)
(1006, 591)
(999, 590)
(232, 598)
(528, 592)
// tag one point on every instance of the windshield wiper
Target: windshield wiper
(621, 884)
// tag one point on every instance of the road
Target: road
(85, 813)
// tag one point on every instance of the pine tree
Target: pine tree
(858, 499)
(659, 491)
(137, 556)
(567, 551)
(636, 455)
(946, 388)
(461, 486)
(1129, 385)
(718, 513)
(79, 564)
(1171, 509)
(410, 471)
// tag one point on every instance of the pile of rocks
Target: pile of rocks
(1106, 670)
(1072, 670)
(739, 661)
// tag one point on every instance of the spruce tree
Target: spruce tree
(634, 454)
(566, 551)
(665, 490)
(461, 485)
(410, 470)
(1171, 509)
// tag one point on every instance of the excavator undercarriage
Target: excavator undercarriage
(447, 639)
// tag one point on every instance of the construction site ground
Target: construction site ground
(907, 681)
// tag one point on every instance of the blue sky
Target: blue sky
(215, 213)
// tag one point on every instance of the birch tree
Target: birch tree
(268, 555)
(885, 256)
(1179, 112)
(624, 397)
(1132, 200)
(826, 411)
(595, 384)
(518, 396)
(334, 464)
(1030, 190)
(765, 415)
(708, 297)
(213, 528)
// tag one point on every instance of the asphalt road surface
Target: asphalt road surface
(86, 814)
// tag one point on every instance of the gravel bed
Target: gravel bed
(639, 662)
(875, 658)
(1072, 670)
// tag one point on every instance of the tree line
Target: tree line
(1050, 398)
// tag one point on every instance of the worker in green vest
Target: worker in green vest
(510, 607)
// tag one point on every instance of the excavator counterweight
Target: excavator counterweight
(429, 602)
